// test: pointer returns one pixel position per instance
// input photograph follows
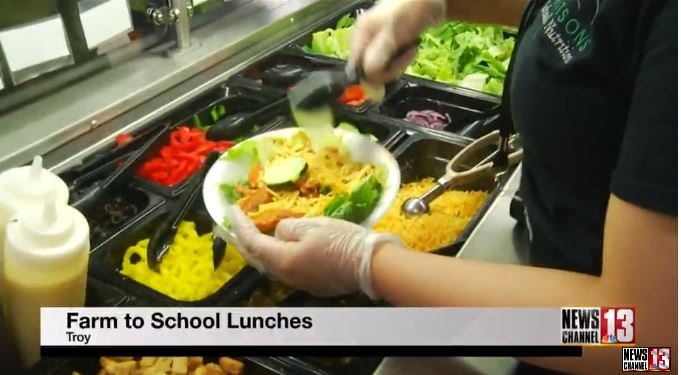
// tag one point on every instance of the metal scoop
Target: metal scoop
(323, 87)
(495, 164)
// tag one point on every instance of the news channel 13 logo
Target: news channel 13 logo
(598, 326)
(646, 359)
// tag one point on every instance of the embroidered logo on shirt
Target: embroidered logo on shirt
(567, 25)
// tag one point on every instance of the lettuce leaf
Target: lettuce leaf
(448, 53)
(247, 149)
(358, 205)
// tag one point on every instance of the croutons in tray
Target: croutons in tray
(168, 365)
(162, 366)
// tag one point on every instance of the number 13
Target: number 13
(626, 319)
(661, 358)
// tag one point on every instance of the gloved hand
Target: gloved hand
(325, 257)
(390, 25)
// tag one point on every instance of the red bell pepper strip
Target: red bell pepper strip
(184, 154)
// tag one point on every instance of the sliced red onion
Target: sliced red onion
(429, 119)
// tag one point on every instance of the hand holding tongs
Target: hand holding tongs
(165, 234)
(494, 164)
(322, 87)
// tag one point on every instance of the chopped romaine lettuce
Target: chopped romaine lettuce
(346, 21)
(449, 53)
(333, 43)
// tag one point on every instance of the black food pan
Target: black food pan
(460, 108)
(257, 118)
(386, 131)
(115, 210)
(107, 260)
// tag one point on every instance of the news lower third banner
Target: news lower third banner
(331, 331)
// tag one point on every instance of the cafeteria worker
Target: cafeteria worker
(594, 99)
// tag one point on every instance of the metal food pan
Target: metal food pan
(333, 365)
(426, 155)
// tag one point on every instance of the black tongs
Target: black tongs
(322, 87)
(88, 196)
(165, 234)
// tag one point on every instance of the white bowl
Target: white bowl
(361, 148)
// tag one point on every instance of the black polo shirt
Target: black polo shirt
(594, 100)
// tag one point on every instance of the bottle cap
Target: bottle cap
(51, 237)
(31, 184)
(48, 226)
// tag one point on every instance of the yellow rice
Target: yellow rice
(448, 217)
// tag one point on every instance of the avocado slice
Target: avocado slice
(284, 171)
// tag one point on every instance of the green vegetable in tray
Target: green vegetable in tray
(333, 42)
(217, 112)
(464, 54)
(458, 53)
(346, 21)
(356, 206)
(284, 171)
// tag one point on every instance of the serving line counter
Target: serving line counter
(84, 118)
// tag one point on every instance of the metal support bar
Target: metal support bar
(182, 27)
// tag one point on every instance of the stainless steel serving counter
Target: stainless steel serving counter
(492, 241)
(82, 118)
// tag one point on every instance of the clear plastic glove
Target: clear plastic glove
(325, 257)
(390, 25)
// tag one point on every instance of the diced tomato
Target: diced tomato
(353, 94)
(123, 138)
